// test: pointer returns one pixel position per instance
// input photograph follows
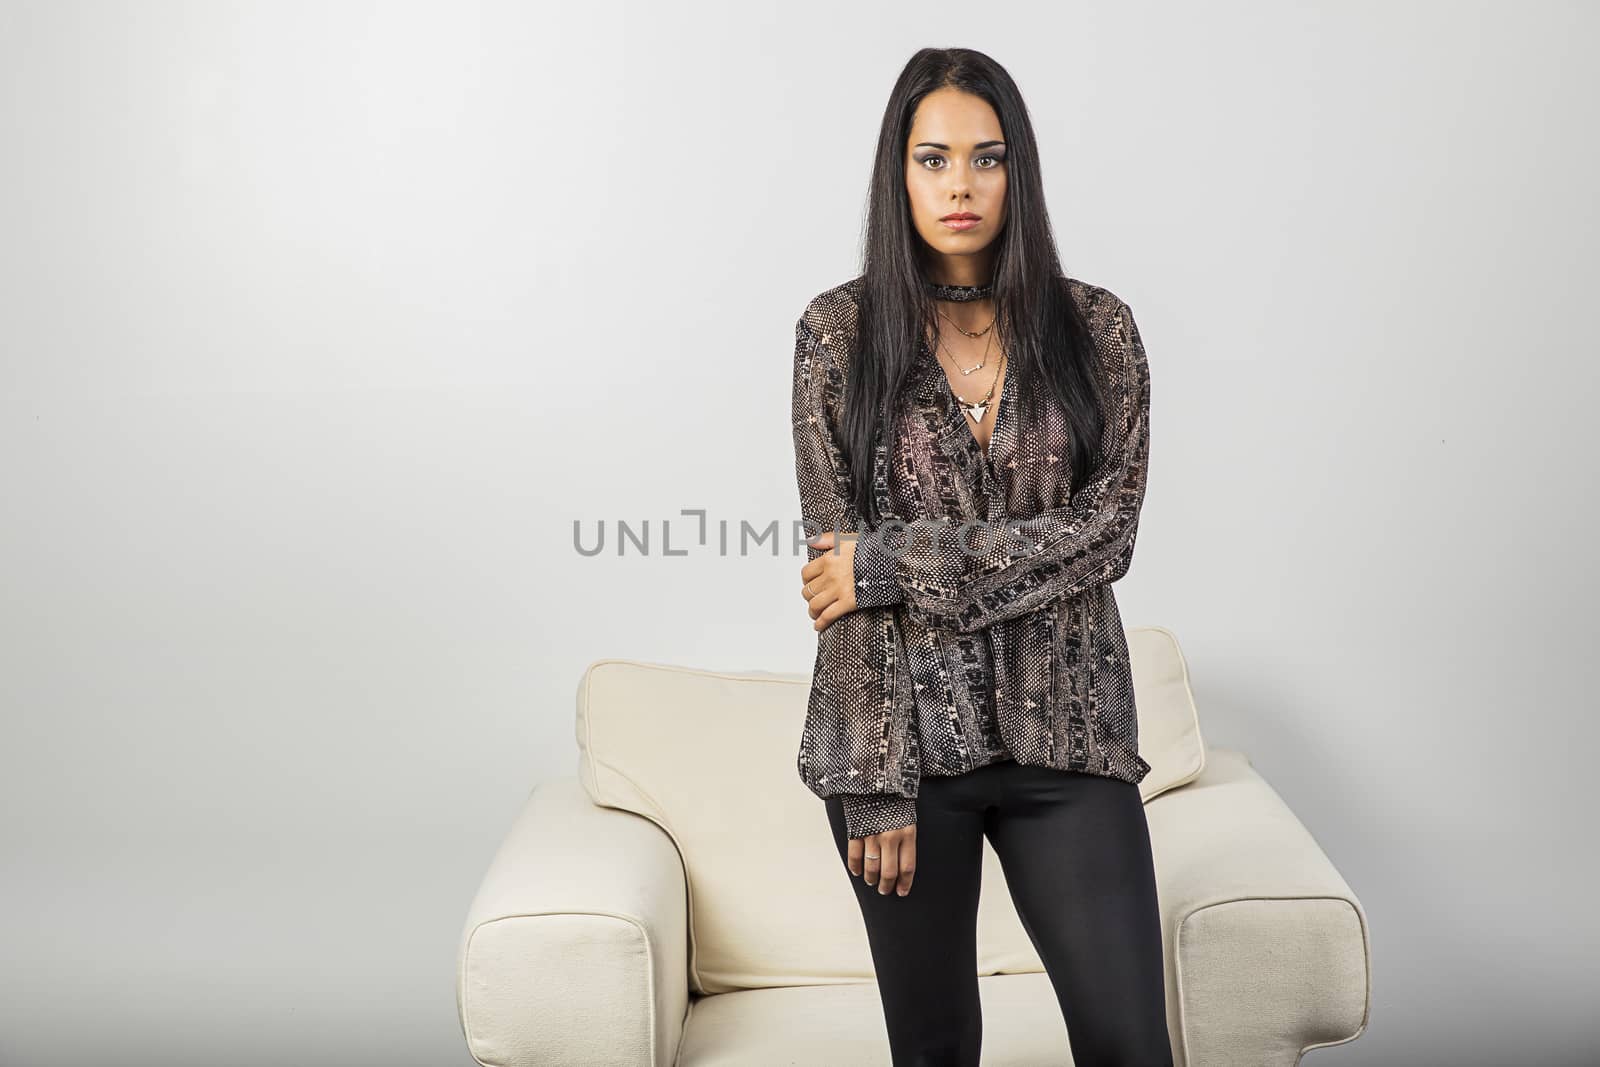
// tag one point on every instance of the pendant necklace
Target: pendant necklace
(965, 370)
(961, 293)
(977, 409)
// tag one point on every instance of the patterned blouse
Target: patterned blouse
(1010, 647)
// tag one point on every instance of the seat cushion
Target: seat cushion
(709, 756)
(842, 1025)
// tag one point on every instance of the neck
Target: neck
(960, 270)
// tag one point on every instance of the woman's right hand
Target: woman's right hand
(887, 860)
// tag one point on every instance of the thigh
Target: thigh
(924, 944)
(1075, 849)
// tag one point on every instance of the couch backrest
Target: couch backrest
(709, 756)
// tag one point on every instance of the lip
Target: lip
(961, 220)
(956, 216)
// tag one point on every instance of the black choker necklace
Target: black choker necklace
(959, 292)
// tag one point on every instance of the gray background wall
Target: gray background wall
(322, 323)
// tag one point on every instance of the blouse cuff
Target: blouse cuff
(874, 572)
(872, 813)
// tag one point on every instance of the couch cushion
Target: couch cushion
(710, 757)
(842, 1025)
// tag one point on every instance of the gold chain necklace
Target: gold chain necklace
(964, 371)
(958, 326)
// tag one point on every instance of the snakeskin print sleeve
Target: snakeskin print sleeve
(860, 736)
(1015, 566)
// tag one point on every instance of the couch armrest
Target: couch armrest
(1269, 953)
(575, 949)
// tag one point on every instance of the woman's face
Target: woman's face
(956, 164)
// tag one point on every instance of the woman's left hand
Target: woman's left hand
(829, 580)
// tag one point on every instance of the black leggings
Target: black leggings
(1076, 854)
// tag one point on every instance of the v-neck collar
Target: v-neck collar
(934, 393)
(954, 438)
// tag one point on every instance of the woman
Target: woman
(971, 441)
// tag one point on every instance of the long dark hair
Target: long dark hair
(1039, 323)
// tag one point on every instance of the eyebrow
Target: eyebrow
(946, 148)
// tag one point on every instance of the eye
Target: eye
(994, 161)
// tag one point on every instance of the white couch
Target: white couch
(668, 905)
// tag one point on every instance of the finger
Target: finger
(889, 868)
(837, 606)
(822, 598)
(908, 862)
(812, 569)
(871, 859)
(853, 857)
